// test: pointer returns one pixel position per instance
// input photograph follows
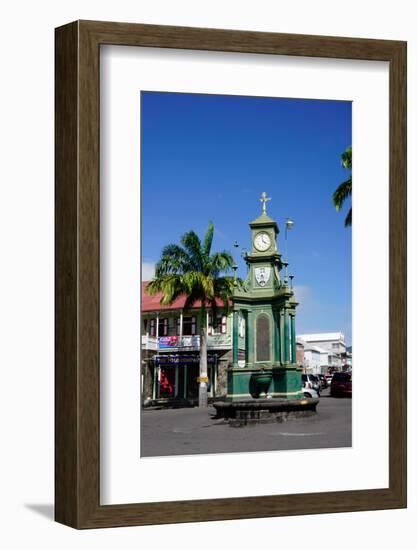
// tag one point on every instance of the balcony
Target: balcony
(185, 343)
(149, 342)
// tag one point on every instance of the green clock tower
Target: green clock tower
(264, 338)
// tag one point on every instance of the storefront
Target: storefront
(175, 375)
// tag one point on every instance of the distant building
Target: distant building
(324, 352)
(315, 359)
(300, 345)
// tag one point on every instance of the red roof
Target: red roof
(152, 303)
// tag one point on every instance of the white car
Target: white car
(310, 393)
(310, 381)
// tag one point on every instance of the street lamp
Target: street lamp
(289, 224)
(235, 266)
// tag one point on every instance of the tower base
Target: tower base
(262, 411)
(276, 382)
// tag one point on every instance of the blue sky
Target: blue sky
(209, 157)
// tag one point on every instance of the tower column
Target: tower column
(235, 338)
(250, 335)
(293, 340)
(281, 336)
(277, 338)
(286, 337)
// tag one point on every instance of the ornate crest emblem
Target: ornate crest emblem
(262, 275)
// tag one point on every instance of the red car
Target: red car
(341, 385)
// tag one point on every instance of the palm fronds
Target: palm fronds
(192, 270)
(344, 190)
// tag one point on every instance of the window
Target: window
(342, 376)
(189, 326)
(335, 346)
(163, 327)
(220, 326)
(172, 326)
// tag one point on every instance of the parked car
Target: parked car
(341, 385)
(309, 392)
(323, 381)
(328, 378)
(316, 382)
(310, 381)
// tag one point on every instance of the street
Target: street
(189, 431)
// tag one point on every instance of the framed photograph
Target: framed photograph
(230, 308)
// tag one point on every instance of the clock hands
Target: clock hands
(263, 241)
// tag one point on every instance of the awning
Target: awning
(181, 360)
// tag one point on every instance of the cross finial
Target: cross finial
(264, 200)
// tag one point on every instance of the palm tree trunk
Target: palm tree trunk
(202, 388)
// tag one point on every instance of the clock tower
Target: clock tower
(264, 309)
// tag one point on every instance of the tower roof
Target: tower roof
(265, 221)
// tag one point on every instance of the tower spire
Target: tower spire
(264, 200)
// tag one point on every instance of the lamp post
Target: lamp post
(235, 266)
(289, 224)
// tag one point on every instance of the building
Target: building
(324, 352)
(300, 345)
(315, 360)
(170, 350)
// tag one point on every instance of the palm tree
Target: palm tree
(192, 270)
(345, 188)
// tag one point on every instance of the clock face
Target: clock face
(262, 241)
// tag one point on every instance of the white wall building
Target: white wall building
(315, 358)
(323, 350)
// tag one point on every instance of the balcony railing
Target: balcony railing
(190, 343)
(149, 342)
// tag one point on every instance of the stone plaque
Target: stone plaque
(263, 338)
